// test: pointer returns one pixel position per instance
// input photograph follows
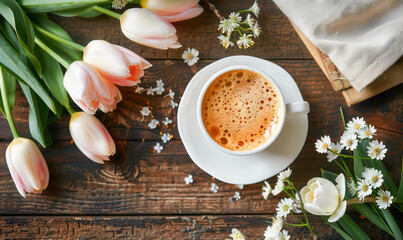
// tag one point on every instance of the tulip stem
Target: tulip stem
(107, 12)
(52, 53)
(70, 110)
(6, 106)
(342, 117)
(58, 38)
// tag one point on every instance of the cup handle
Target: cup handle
(297, 108)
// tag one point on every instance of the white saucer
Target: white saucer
(242, 169)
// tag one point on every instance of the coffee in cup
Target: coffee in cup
(241, 110)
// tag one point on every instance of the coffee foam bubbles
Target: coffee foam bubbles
(241, 110)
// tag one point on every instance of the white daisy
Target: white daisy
(255, 9)
(384, 199)
(236, 197)
(278, 188)
(170, 94)
(159, 90)
(227, 26)
(139, 89)
(225, 41)
(284, 174)
(245, 41)
(167, 121)
(322, 144)
(335, 148)
(274, 229)
(166, 137)
(188, 179)
(356, 124)
(173, 104)
(266, 190)
(256, 29)
(150, 91)
(283, 235)
(284, 207)
(190, 56)
(349, 140)
(214, 187)
(158, 148)
(373, 177)
(235, 17)
(351, 187)
(297, 204)
(249, 20)
(145, 111)
(236, 235)
(376, 150)
(364, 189)
(153, 123)
(367, 132)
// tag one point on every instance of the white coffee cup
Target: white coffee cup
(287, 110)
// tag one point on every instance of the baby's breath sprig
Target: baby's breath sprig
(247, 30)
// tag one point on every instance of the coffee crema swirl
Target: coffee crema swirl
(241, 110)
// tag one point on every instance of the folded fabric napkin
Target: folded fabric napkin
(362, 38)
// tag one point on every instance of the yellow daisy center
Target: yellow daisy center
(368, 133)
(285, 207)
(385, 199)
(190, 56)
(374, 179)
(365, 188)
(377, 150)
(349, 142)
(357, 126)
(325, 145)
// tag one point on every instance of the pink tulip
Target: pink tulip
(91, 137)
(174, 10)
(145, 27)
(118, 64)
(89, 90)
(27, 166)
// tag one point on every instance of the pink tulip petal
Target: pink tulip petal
(187, 14)
(133, 58)
(14, 175)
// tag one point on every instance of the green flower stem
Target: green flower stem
(239, 31)
(7, 110)
(296, 225)
(342, 168)
(342, 117)
(298, 220)
(285, 190)
(346, 156)
(52, 53)
(348, 169)
(58, 38)
(107, 12)
(306, 217)
(70, 110)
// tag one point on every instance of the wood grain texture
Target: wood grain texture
(160, 227)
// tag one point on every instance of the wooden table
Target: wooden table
(142, 195)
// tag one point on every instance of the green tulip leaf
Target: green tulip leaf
(388, 180)
(372, 216)
(10, 59)
(42, 6)
(336, 226)
(400, 192)
(86, 12)
(10, 83)
(392, 223)
(348, 225)
(358, 165)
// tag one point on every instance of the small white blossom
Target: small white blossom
(236, 235)
(349, 141)
(364, 189)
(245, 41)
(145, 111)
(158, 148)
(322, 144)
(278, 188)
(190, 56)
(283, 235)
(356, 124)
(376, 150)
(367, 132)
(384, 199)
(167, 121)
(173, 104)
(236, 197)
(227, 26)
(159, 83)
(139, 89)
(256, 29)
(351, 187)
(171, 94)
(119, 4)
(225, 41)
(153, 124)
(159, 90)
(284, 207)
(214, 187)
(335, 148)
(249, 20)
(166, 137)
(373, 177)
(255, 9)
(188, 179)
(284, 174)
(235, 17)
(297, 204)
(273, 230)
(266, 190)
(150, 91)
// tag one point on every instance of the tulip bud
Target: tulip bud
(174, 10)
(147, 28)
(27, 166)
(91, 137)
(89, 90)
(115, 63)
(322, 197)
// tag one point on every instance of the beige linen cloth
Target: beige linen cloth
(363, 38)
